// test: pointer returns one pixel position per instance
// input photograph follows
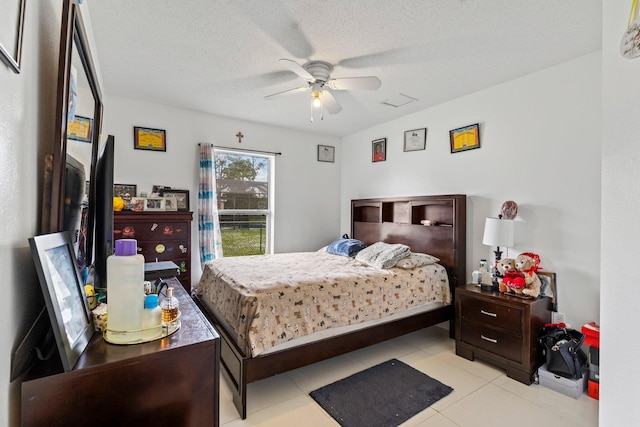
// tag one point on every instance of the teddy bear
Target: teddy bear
(512, 279)
(527, 264)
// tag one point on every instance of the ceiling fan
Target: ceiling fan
(319, 81)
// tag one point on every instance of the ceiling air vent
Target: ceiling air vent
(399, 101)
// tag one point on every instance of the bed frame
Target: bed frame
(393, 220)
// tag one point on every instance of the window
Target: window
(245, 201)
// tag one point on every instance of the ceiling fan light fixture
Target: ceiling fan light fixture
(316, 99)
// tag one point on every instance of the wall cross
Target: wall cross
(240, 136)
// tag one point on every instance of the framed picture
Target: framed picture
(379, 150)
(326, 153)
(181, 197)
(149, 139)
(138, 203)
(154, 204)
(415, 140)
(126, 191)
(465, 138)
(64, 295)
(11, 28)
(157, 189)
(80, 129)
(170, 204)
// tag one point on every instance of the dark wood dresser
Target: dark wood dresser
(501, 329)
(171, 381)
(161, 236)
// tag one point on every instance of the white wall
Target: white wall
(27, 113)
(307, 198)
(620, 226)
(540, 146)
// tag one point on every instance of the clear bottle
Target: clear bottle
(151, 318)
(170, 308)
(125, 293)
(481, 270)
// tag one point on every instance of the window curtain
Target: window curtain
(208, 221)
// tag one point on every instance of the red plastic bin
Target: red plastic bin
(592, 339)
(592, 332)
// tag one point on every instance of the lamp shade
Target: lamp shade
(498, 232)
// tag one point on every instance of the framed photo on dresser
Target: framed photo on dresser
(64, 296)
(181, 198)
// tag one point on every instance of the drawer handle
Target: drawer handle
(488, 313)
(489, 339)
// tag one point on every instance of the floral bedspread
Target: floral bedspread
(266, 300)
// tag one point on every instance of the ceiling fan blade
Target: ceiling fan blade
(287, 92)
(297, 68)
(355, 83)
(330, 103)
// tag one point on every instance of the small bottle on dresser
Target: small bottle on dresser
(151, 318)
(170, 308)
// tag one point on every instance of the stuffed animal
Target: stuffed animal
(527, 264)
(512, 279)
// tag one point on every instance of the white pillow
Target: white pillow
(416, 260)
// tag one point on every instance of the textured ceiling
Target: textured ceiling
(221, 57)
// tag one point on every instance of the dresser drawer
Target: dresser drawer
(160, 230)
(490, 313)
(497, 342)
(163, 251)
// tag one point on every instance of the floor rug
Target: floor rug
(384, 395)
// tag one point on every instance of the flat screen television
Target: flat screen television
(103, 199)
(75, 207)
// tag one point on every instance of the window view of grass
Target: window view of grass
(243, 237)
(242, 187)
(249, 241)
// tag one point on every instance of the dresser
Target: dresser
(501, 329)
(161, 236)
(170, 381)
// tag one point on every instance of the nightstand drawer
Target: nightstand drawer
(490, 313)
(503, 344)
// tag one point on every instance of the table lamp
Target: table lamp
(498, 232)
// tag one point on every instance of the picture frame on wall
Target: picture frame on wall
(379, 150)
(149, 139)
(12, 25)
(326, 153)
(64, 295)
(465, 138)
(80, 129)
(415, 140)
(181, 197)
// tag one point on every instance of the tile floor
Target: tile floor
(483, 395)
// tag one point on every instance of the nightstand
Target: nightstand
(501, 329)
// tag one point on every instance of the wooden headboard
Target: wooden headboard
(398, 220)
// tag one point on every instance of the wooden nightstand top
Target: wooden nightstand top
(475, 291)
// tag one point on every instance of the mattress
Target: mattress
(266, 301)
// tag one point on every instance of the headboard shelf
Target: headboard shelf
(398, 220)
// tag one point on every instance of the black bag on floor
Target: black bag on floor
(561, 347)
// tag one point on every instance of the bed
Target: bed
(277, 315)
